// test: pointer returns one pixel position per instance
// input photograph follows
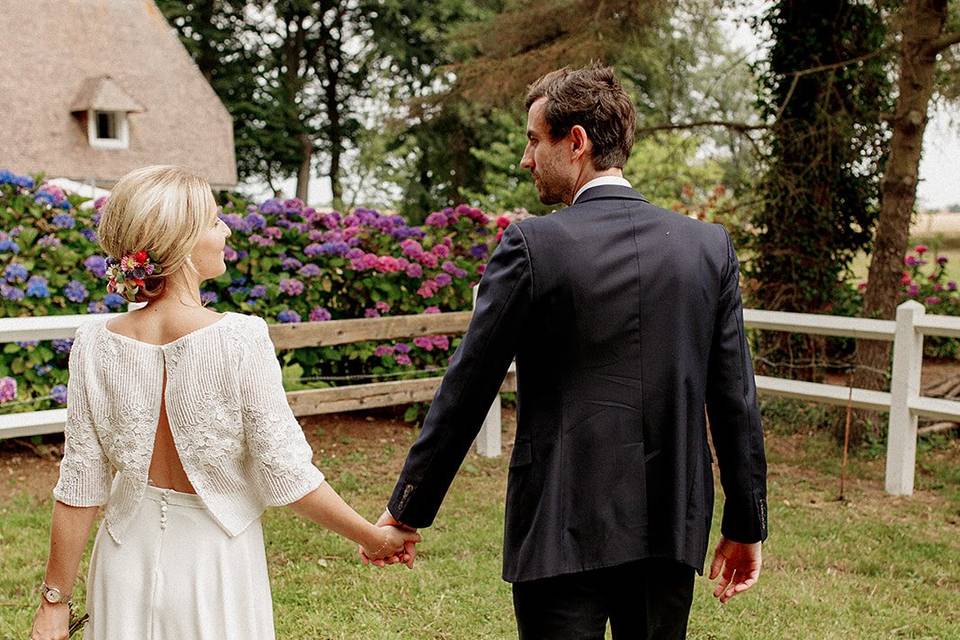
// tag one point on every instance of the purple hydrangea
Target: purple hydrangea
(209, 297)
(319, 314)
(7, 243)
(371, 313)
(258, 291)
(402, 347)
(75, 291)
(289, 264)
(96, 265)
(14, 294)
(443, 279)
(89, 234)
(414, 270)
(291, 286)
(288, 315)
(15, 273)
(49, 241)
(43, 369)
(234, 221)
(310, 270)
(230, 254)
(62, 346)
(97, 306)
(59, 394)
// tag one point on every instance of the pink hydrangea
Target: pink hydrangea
(441, 250)
(424, 342)
(8, 389)
(429, 260)
(382, 306)
(383, 350)
(388, 264)
(414, 270)
(428, 288)
(371, 313)
(404, 360)
(432, 310)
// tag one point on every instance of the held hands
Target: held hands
(738, 564)
(52, 622)
(396, 542)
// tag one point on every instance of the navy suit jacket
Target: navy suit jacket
(626, 322)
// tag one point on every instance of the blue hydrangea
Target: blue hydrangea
(6, 244)
(59, 393)
(8, 177)
(255, 221)
(209, 297)
(258, 291)
(37, 287)
(62, 346)
(114, 300)
(42, 369)
(15, 273)
(97, 306)
(11, 293)
(64, 221)
(89, 234)
(26, 344)
(288, 315)
(76, 292)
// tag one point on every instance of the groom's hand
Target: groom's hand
(738, 564)
(409, 551)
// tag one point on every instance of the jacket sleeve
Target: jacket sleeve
(472, 381)
(734, 415)
(85, 471)
(281, 458)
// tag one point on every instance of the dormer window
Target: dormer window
(105, 107)
(107, 129)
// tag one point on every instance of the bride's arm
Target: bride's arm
(325, 507)
(69, 531)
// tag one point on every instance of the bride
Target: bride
(177, 422)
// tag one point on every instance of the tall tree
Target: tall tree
(924, 41)
(821, 185)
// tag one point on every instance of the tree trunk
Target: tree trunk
(922, 24)
(303, 174)
(334, 63)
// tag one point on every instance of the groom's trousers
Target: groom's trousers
(643, 600)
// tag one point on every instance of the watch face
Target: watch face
(52, 595)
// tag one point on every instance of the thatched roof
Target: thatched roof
(59, 58)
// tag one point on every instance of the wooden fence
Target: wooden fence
(904, 402)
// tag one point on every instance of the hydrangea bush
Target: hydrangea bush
(285, 261)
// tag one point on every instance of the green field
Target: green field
(871, 566)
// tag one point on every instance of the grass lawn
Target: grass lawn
(871, 566)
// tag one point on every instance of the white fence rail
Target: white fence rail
(903, 402)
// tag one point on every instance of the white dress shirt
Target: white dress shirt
(599, 182)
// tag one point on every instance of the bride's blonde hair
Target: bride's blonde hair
(160, 209)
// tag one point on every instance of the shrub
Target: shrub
(285, 261)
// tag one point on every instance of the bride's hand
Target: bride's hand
(389, 545)
(52, 622)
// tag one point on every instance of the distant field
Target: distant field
(941, 232)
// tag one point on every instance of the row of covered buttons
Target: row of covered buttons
(163, 509)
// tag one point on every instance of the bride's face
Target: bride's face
(207, 254)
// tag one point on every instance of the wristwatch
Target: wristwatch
(53, 595)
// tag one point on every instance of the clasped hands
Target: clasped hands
(398, 544)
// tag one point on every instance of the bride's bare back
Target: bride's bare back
(159, 327)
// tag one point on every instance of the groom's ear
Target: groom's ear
(580, 142)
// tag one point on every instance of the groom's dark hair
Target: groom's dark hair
(592, 98)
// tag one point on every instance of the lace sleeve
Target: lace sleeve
(85, 474)
(281, 456)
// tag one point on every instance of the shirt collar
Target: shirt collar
(601, 181)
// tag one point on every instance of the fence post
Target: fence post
(489, 439)
(904, 387)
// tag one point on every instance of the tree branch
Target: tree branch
(740, 127)
(944, 42)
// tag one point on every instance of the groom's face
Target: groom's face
(548, 160)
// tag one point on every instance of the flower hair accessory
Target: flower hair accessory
(126, 275)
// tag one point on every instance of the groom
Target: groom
(625, 321)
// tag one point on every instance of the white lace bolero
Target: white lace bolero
(237, 438)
